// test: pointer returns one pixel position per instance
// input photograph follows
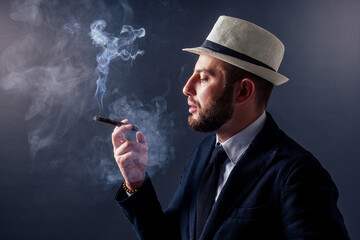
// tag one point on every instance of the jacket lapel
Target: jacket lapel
(199, 161)
(245, 174)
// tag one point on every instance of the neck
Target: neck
(237, 123)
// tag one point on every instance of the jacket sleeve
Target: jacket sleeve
(309, 204)
(145, 212)
(146, 215)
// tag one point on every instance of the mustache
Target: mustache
(194, 102)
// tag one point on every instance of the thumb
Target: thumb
(140, 138)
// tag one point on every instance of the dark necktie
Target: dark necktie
(208, 187)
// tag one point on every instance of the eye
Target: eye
(203, 77)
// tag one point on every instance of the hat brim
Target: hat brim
(267, 74)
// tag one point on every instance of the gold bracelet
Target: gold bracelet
(128, 190)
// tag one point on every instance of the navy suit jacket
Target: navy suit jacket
(277, 190)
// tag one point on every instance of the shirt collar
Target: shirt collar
(237, 144)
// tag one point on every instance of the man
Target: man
(247, 181)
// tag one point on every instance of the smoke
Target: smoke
(72, 27)
(27, 11)
(112, 47)
(153, 120)
(50, 67)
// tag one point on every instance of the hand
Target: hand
(131, 157)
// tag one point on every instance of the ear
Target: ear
(244, 90)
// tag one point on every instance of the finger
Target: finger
(140, 138)
(128, 146)
(118, 135)
(124, 148)
(125, 121)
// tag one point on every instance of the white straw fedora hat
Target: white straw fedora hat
(245, 45)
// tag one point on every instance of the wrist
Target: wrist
(127, 189)
(132, 187)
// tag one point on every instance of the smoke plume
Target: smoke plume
(112, 47)
(50, 67)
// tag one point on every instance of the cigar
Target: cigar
(114, 122)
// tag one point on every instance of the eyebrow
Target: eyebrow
(208, 72)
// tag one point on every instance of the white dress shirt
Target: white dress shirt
(236, 146)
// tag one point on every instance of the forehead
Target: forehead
(211, 65)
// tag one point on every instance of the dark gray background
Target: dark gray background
(63, 189)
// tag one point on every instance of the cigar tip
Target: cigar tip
(96, 118)
(135, 128)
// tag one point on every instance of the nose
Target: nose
(189, 89)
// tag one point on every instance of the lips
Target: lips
(193, 108)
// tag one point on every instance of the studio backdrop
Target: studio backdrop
(64, 62)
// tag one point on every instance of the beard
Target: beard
(216, 114)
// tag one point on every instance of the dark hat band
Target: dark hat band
(227, 51)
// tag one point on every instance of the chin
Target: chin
(191, 120)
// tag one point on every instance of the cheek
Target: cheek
(209, 94)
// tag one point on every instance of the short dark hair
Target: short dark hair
(262, 86)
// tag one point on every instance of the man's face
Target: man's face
(209, 97)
